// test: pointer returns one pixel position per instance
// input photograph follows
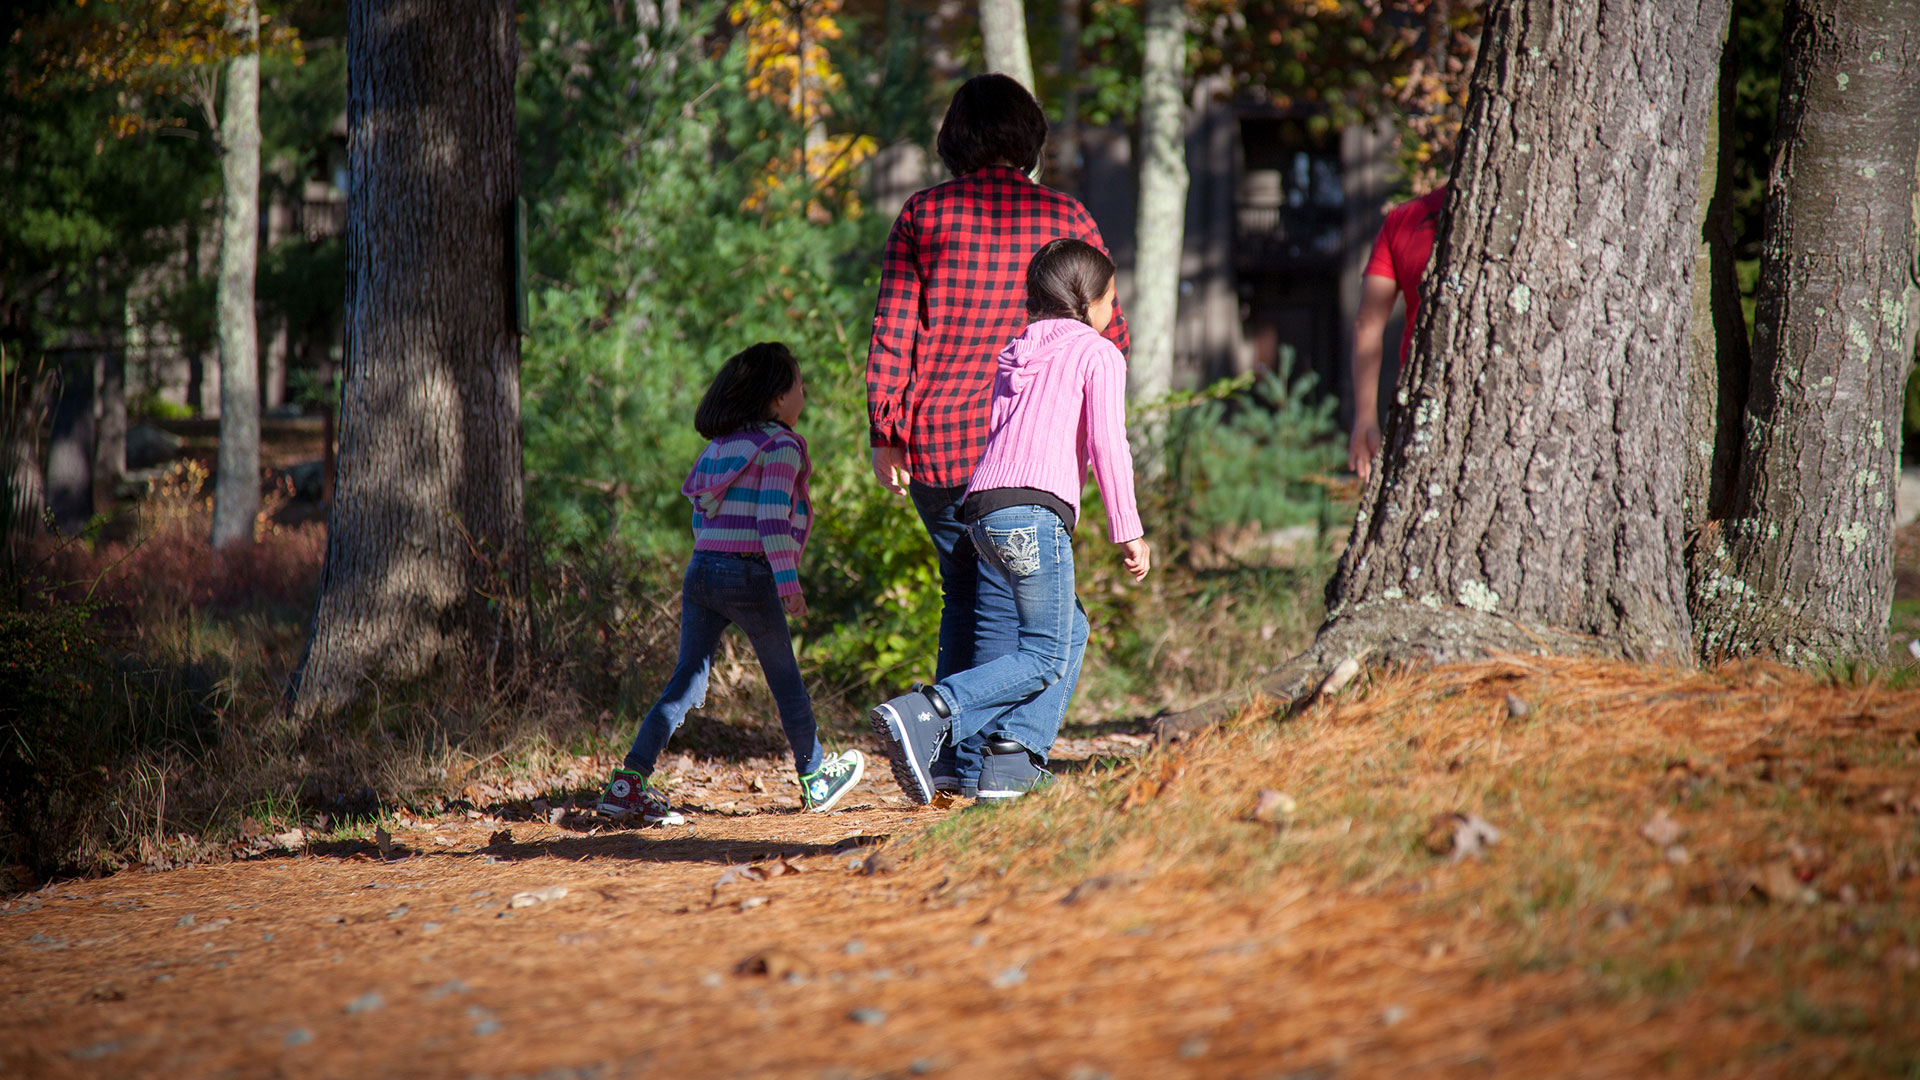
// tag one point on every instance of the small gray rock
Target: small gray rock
(868, 1016)
(371, 1001)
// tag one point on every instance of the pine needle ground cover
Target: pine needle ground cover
(1516, 868)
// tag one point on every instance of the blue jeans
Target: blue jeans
(720, 590)
(1024, 693)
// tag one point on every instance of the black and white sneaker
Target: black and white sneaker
(1008, 771)
(913, 731)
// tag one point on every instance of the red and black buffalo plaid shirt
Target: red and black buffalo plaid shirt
(953, 292)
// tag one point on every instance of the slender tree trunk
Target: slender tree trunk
(426, 567)
(236, 490)
(1160, 229)
(1066, 140)
(110, 423)
(1003, 31)
(70, 448)
(1530, 493)
(23, 487)
(1801, 567)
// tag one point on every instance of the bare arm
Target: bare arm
(1377, 295)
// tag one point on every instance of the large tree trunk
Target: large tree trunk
(236, 490)
(1160, 229)
(1801, 567)
(1003, 33)
(426, 568)
(1530, 491)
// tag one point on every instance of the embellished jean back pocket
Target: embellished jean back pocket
(1019, 549)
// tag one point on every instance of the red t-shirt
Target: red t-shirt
(1402, 249)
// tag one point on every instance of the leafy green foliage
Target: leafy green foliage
(643, 150)
(1251, 456)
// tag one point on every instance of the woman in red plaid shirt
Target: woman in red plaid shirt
(952, 294)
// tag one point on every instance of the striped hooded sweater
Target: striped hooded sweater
(749, 494)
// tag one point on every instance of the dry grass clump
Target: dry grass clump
(1743, 841)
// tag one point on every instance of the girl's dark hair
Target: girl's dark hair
(992, 118)
(1064, 278)
(744, 390)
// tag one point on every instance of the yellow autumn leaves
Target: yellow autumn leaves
(788, 63)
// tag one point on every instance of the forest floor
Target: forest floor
(1518, 868)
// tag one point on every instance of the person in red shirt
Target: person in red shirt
(953, 292)
(1399, 260)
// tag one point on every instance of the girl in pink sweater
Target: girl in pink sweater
(1059, 407)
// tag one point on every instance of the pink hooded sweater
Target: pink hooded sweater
(1060, 405)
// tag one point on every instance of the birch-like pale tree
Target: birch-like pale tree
(236, 493)
(1003, 32)
(1159, 233)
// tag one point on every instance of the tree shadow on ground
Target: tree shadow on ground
(635, 845)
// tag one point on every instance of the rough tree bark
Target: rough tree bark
(1801, 566)
(1160, 225)
(1530, 496)
(426, 567)
(1003, 33)
(236, 490)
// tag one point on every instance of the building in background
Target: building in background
(1281, 214)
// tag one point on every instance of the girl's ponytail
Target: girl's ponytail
(1065, 277)
(745, 388)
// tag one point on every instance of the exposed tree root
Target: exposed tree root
(1374, 635)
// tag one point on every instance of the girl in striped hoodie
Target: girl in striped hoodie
(1059, 407)
(751, 517)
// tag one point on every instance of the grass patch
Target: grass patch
(1744, 840)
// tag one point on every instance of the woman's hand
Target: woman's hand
(795, 604)
(890, 468)
(1137, 557)
(1363, 447)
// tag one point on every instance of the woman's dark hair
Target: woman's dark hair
(992, 118)
(1064, 278)
(745, 389)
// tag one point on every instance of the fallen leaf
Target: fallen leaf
(536, 896)
(384, 841)
(1662, 831)
(752, 902)
(1274, 807)
(1780, 885)
(774, 963)
(500, 838)
(880, 862)
(740, 872)
(1516, 707)
(1098, 884)
(1462, 836)
(1153, 782)
(291, 840)
(1343, 673)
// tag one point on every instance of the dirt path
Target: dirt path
(345, 965)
